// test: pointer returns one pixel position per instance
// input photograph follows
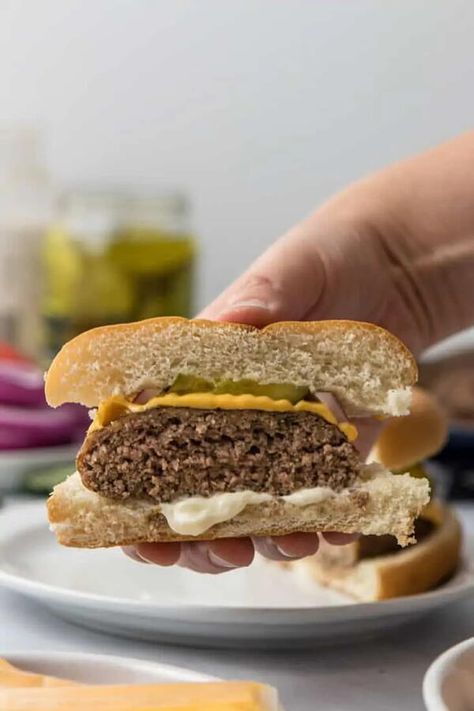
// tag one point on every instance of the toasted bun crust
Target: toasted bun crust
(385, 503)
(408, 572)
(417, 436)
(365, 366)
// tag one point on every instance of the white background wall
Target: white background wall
(261, 108)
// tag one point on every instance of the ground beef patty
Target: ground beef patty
(169, 452)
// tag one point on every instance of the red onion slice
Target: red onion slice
(22, 428)
(145, 395)
(21, 384)
(332, 403)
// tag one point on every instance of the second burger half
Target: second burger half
(206, 430)
(375, 567)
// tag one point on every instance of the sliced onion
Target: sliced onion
(21, 384)
(336, 407)
(25, 428)
(332, 403)
(145, 395)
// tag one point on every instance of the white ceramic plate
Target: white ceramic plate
(263, 605)
(100, 668)
(449, 682)
(16, 463)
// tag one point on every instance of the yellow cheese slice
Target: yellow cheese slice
(117, 407)
(11, 677)
(207, 696)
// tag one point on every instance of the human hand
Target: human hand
(377, 253)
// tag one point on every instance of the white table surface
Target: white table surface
(383, 674)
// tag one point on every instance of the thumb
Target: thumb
(284, 284)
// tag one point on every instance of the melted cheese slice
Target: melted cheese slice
(117, 407)
(204, 696)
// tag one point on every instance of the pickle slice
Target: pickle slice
(185, 384)
(43, 481)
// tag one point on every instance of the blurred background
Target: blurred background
(150, 150)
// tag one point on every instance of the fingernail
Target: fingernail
(130, 552)
(220, 562)
(286, 555)
(142, 559)
(250, 304)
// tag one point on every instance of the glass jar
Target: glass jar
(113, 257)
(25, 211)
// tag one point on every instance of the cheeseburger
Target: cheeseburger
(204, 430)
(375, 567)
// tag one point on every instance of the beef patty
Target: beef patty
(167, 453)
